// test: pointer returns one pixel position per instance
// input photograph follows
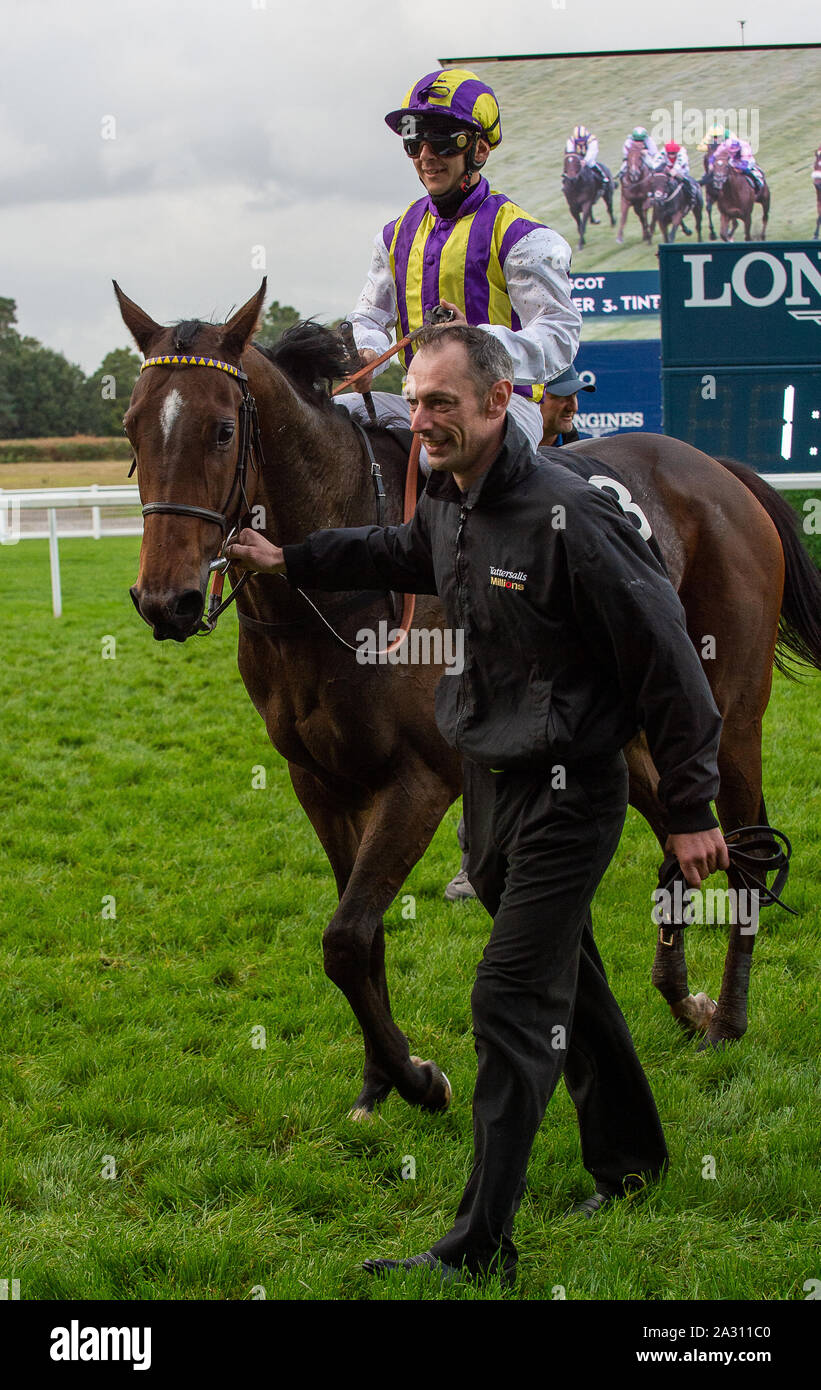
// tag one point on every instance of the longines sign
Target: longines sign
(742, 303)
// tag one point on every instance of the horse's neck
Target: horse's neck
(315, 475)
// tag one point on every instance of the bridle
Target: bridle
(249, 454)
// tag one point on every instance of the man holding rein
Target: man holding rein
(562, 669)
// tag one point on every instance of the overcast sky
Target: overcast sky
(242, 124)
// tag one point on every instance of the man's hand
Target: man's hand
(366, 355)
(699, 854)
(458, 316)
(255, 554)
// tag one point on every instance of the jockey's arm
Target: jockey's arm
(592, 155)
(374, 316)
(536, 272)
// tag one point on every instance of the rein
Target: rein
(749, 860)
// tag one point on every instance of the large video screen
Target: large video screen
(766, 97)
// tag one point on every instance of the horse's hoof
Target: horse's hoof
(439, 1093)
(719, 1036)
(360, 1113)
(695, 1013)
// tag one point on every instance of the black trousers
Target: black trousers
(542, 1007)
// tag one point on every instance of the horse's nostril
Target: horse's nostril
(189, 604)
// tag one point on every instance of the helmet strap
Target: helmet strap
(470, 164)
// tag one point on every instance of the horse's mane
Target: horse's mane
(311, 356)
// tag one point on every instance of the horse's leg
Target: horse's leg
(609, 203)
(739, 802)
(340, 836)
(625, 208)
(669, 974)
(710, 219)
(403, 817)
(765, 217)
(579, 227)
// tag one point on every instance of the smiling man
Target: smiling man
(468, 248)
(574, 640)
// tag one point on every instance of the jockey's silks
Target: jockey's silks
(459, 259)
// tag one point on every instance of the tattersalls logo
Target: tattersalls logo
(507, 579)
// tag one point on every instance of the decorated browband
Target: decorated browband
(175, 360)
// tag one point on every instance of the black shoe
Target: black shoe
(446, 1274)
(594, 1204)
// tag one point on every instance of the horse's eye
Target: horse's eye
(225, 433)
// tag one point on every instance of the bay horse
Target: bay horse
(736, 198)
(582, 188)
(816, 180)
(671, 199)
(365, 758)
(635, 189)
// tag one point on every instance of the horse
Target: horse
(635, 188)
(671, 199)
(364, 756)
(816, 181)
(736, 196)
(582, 187)
(708, 185)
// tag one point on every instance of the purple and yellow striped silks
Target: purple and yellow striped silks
(457, 259)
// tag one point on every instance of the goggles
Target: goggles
(442, 142)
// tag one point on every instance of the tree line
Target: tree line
(42, 394)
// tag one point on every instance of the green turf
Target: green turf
(130, 1039)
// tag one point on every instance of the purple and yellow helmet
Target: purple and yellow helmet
(455, 95)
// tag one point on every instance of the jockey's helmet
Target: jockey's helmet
(734, 146)
(671, 147)
(450, 97)
(581, 135)
(639, 133)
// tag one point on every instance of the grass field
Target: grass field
(149, 1150)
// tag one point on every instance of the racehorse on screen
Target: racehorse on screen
(364, 755)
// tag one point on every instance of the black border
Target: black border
(629, 52)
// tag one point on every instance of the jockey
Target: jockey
(586, 146)
(639, 136)
(468, 248)
(740, 154)
(675, 162)
(715, 135)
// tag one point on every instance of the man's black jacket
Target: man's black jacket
(574, 638)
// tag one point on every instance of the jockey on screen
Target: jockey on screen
(586, 146)
(675, 162)
(650, 154)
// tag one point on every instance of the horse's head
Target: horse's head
(635, 160)
(572, 166)
(721, 170)
(659, 186)
(184, 424)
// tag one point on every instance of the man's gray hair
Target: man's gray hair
(488, 360)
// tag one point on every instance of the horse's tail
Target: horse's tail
(799, 626)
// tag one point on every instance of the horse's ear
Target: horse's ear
(140, 326)
(238, 331)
